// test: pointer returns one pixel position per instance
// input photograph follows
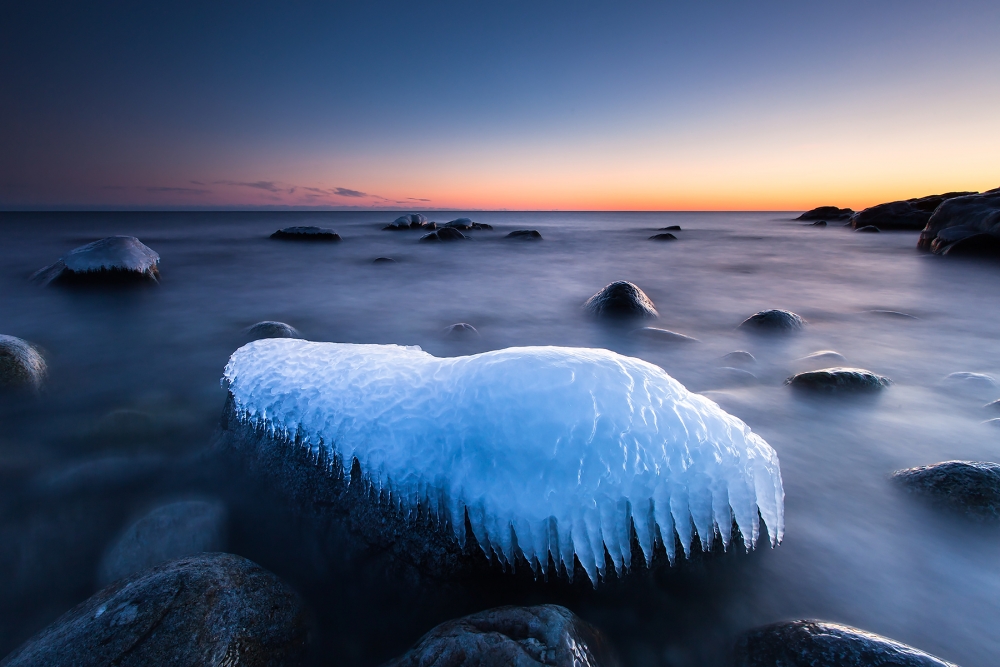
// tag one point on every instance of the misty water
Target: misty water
(132, 403)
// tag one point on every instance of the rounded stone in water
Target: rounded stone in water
(21, 366)
(839, 380)
(621, 299)
(773, 319)
(969, 486)
(271, 329)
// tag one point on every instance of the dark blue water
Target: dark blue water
(74, 472)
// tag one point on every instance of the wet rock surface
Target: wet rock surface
(526, 234)
(508, 636)
(810, 643)
(968, 225)
(271, 329)
(666, 236)
(444, 234)
(306, 234)
(773, 320)
(114, 260)
(839, 380)
(212, 609)
(827, 213)
(909, 214)
(621, 299)
(21, 365)
(968, 486)
(168, 532)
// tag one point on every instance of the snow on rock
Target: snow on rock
(118, 256)
(550, 450)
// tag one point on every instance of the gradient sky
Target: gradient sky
(490, 105)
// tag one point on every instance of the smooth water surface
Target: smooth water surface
(133, 400)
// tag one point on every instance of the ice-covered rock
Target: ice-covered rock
(168, 532)
(512, 636)
(212, 609)
(774, 319)
(621, 299)
(547, 451)
(409, 221)
(21, 366)
(525, 234)
(826, 213)
(967, 225)
(969, 486)
(665, 236)
(819, 644)
(271, 329)
(115, 259)
(836, 380)
(306, 234)
(464, 224)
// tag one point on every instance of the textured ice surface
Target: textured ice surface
(550, 450)
(114, 252)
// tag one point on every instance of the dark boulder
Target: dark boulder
(868, 229)
(211, 609)
(461, 330)
(271, 329)
(168, 532)
(911, 214)
(666, 236)
(773, 319)
(969, 486)
(306, 234)
(463, 224)
(621, 299)
(444, 234)
(818, 644)
(409, 221)
(671, 228)
(836, 380)
(511, 636)
(662, 335)
(526, 234)
(112, 260)
(483, 226)
(826, 213)
(970, 225)
(21, 365)
(383, 260)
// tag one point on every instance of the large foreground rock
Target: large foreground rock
(827, 213)
(969, 486)
(621, 299)
(168, 532)
(818, 644)
(111, 260)
(512, 637)
(967, 225)
(21, 366)
(212, 609)
(911, 214)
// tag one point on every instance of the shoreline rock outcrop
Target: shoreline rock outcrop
(909, 214)
(827, 213)
(968, 225)
(115, 260)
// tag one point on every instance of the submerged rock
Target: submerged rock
(994, 405)
(21, 366)
(740, 358)
(306, 234)
(461, 330)
(621, 299)
(827, 213)
(526, 234)
(511, 636)
(773, 320)
(970, 384)
(662, 335)
(666, 236)
(819, 223)
(450, 464)
(271, 329)
(839, 380)
(111, 260)
(671, 228)
(822, 357)
(211, 609)
(911, 214)
(967, 225)
(728, 376)
(383, 260)
(444, 234)
(168, 532)
(969, 486)
(819, 644)
(868, 229)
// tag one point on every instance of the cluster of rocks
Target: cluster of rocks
(664, 233)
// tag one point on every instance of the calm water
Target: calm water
(72, 476)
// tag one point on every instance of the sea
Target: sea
(131, 408)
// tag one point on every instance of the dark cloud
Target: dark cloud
(269, 186)
(344, 192)
(416, 199)
(187, 191)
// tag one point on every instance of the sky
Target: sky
(537, 105)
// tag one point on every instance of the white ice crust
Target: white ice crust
(113, 252)
(550, 450)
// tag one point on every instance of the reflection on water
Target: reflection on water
(133, 399)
